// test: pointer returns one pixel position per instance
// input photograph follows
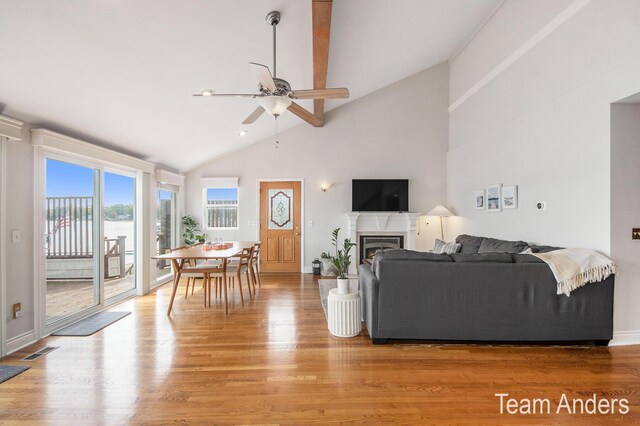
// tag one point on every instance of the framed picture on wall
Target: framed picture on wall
(481, 199)
(510, 197)
(494, 199)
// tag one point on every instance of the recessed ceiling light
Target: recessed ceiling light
(207, 92)
(242, 132)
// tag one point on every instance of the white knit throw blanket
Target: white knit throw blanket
(574, 267)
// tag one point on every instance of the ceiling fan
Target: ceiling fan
(275, 94)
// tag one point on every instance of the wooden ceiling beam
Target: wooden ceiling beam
(321, 17)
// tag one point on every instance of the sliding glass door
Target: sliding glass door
(119, 234)
(89, 238)
(71, 249)
(165, 229)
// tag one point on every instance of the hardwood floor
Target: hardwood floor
(273, 361)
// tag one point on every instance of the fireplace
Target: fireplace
(369, 244)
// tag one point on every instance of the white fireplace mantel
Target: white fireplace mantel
(381, 223)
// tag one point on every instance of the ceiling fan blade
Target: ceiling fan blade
(228, 95)
(305, 115)
(320, 93)
(264, 76)
(253, 116)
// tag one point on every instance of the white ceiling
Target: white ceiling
(120, 73)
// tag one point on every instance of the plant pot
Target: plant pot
(328, 268)
(343, 285)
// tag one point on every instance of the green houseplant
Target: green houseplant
(190, 228)
(342, 260)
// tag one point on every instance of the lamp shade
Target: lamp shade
(275, 105)
(441, 211)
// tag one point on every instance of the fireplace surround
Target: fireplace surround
(381, 224)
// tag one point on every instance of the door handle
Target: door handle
(297, 234)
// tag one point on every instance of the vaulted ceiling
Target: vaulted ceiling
(121, 73)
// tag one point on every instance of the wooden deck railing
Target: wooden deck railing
(69, 227)
(222, 214)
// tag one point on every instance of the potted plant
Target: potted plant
(190, 227)
(342, 261)
(328, 269)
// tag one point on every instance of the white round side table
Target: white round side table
(344, 316)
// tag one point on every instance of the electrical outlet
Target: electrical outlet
(17, 310)
(310, 223)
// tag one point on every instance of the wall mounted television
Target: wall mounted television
(380, 195)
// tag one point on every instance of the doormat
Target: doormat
(9, 371)
(92, 324)
(326, 285)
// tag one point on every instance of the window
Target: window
(221, 208)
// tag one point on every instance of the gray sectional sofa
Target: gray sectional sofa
(480, 295)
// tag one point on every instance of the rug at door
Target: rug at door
(92, 324)
(10, 371)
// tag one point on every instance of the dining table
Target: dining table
(182, 257)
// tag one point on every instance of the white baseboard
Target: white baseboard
(625, 338)
(19, 342)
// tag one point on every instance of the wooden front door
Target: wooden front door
(280, 226)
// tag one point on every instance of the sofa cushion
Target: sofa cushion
(543, 249)
(482, 257)
(403, 254)
(526, 258)
(470, 244)
(444, 247)
(491, 245)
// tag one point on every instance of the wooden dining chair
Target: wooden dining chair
(236, 270)
(190, 276)
(209, 270)
(255, 266)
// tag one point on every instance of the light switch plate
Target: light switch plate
(16, 237)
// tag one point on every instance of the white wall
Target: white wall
(19, 256)
(625, 210)
(543, 123)
(399, 131)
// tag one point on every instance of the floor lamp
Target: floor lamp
(440, 211)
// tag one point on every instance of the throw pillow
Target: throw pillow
(492, 245)
(470, 244)
(444, 247)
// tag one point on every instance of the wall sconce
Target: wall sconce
(325, 186)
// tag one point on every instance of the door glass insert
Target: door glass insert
(280, 208)
(119, 234)
(70, 235)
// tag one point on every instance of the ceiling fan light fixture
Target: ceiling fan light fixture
(275, 105)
